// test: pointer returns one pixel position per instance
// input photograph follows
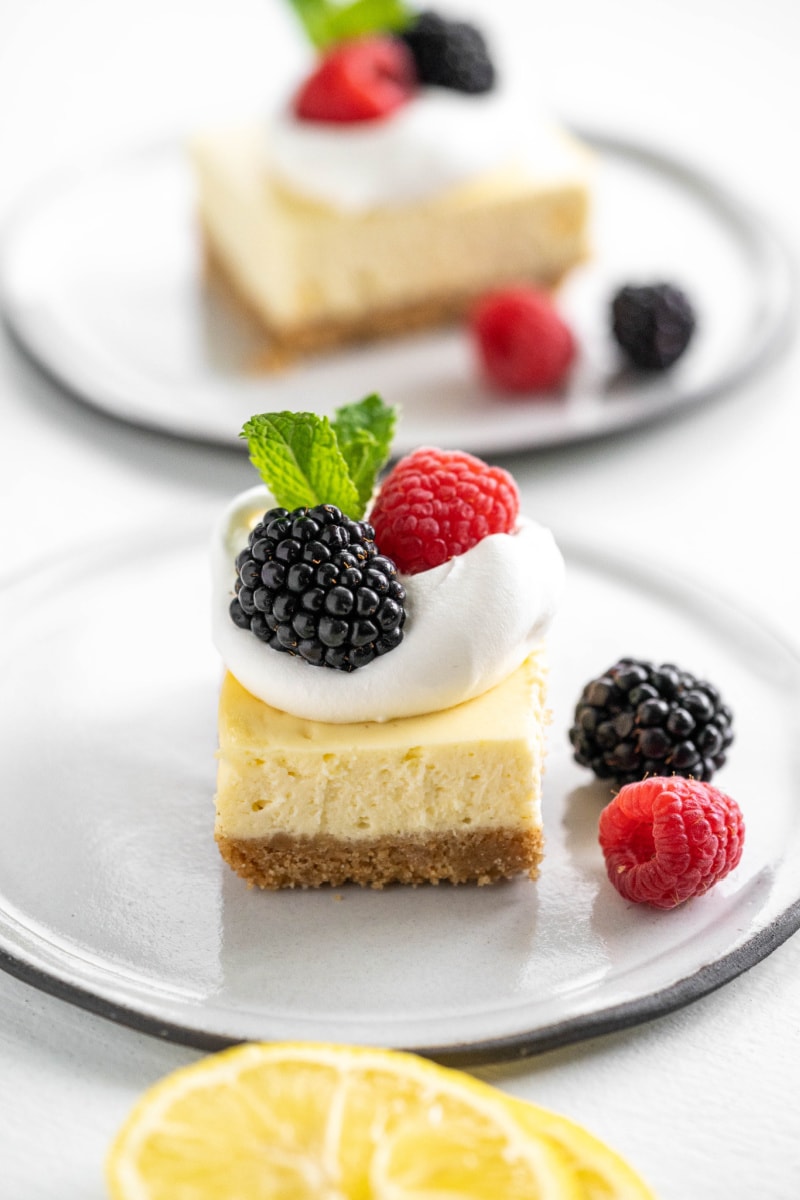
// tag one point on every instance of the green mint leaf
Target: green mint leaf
(362, 454)
(364, 432)
(313, 16)
(366, 16)
(326, 22)
(298, 457)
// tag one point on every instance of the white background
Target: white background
(704, 1101)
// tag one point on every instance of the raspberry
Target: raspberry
(667, 839)
(311, 583)
(358, 81)
(652, 324)
(437, 504)
(522, 341)
(450, 54)
(639, 718)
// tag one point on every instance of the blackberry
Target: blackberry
(312, 583)
(638, 719)
(450, 54)
(653, 324)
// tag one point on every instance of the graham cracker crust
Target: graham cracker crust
(474, 856)
(281, 346)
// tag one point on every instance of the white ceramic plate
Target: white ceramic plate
(113, 896)
(101, 282)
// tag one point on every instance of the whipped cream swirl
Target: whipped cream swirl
(440, 139)
(469, 624)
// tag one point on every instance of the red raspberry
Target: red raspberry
(358, 81)
(666, 839)
(523, 343)
(436, 504)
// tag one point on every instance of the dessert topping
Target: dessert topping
(305, 459)
(450, 54)
(330, 21)
(311, 583)
(523, 342)
(668, 839)
(471, 622)
(639, 719)
(475, 618)
(437, 504)
(358, 81)
(652, 324)
(442, 140)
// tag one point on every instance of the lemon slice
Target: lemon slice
(311, 1121)
(602, 1174)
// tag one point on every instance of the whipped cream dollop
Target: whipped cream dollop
(440, 139)
(469, 624)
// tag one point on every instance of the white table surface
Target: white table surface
(703, 1101)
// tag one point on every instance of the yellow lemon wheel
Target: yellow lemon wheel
(311, 1121)
(602, 1174)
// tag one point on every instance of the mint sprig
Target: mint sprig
(305, 459)
(364, 432)
(326, 22)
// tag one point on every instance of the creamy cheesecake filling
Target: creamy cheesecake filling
(471, 765)
(452, 795)
(468, 767)
(306, 268)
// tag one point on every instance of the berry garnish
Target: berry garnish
(311, 582)
(437, 504)
(450, 54)
(523, 342)
(639, 719)
(668, 839)
(652, 324)
(358, 81)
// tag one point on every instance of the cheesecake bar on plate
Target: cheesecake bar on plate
(383, 709)
(388, 194)
(449, 795)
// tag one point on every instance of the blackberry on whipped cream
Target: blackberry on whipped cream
(311, 583)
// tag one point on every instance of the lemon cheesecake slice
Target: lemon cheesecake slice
(383, 707)
(390, 193)
(453, 795)
(316, 276)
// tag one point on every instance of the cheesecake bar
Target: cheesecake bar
(382, 712)
(317, 276)
(452, 795)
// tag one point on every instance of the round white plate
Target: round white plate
(113, 895)
(101, 282)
